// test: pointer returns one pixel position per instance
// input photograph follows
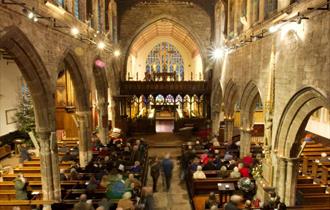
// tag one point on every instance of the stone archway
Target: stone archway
(230, 98)
(14, 41)
(101, 84)
(247, 105)
(288, 136)
(83, 113)
(216, 101)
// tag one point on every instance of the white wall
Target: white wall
(10, 80)
(320, 125)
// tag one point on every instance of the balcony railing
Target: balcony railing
(164, 87)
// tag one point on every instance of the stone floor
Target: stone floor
(177, 198)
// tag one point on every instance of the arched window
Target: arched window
(76, 8)
(169, 100)
(159, 100)
(165, 57)
(60, 2)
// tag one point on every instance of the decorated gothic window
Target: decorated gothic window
(159, 100)
(165, 58)
(169, 100)
(76, 8)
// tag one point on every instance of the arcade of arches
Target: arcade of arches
(238, 78)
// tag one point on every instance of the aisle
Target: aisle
(177, 198)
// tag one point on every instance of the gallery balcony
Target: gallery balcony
(164, 87)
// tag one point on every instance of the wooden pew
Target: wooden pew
(325, 175)
(11, 194)
(23, 204)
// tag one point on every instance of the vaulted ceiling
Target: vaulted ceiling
(207, 5)
(168, 29)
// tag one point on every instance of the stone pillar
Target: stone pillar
(103, 124)
(84, 137)
(69, 6)
(245, 143)
(95, 19)
(229, 129)
(282, 178)
(215, 123)
(83, 11)
(55, 167)
(249, 14)
(261, 10)
(102, 15)
(46, 166)
(291, 181)
(282, 4)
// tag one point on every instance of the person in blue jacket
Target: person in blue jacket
(167, 166)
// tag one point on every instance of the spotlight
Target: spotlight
(35, 19)
(101, 45)
(275, 28)
(116, 53)
(30, 15)
(217, 53)
(74, 31)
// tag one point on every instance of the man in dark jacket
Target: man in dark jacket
(167, 165)
(236, 201)
(154, 172)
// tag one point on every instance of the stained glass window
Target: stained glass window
(165, 57)
(178, 99)
(169, 100)
(60, 3)
(159, 100)
(76, 8)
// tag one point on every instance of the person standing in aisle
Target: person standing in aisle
(154, 173)
(167, 166)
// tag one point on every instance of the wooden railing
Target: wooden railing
(164, 87)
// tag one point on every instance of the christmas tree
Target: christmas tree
(25, 120)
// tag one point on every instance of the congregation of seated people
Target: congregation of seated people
(213, 161)
(113, 179)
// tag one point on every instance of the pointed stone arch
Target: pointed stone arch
(71, 63)
(230, 99)
(34, 72)
(216, 101)
(191, 35)
(295, 117)
(247, 105)
(288, 139)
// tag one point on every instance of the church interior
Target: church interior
(165, 104)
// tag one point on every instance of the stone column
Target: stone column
(46, 166)
(291, 181)
(261, 10)
(282, 4)
(245, 144)
(103, 124)
(69, 6)
(249, 14)
(102, 15)
(229, 129)
(95, 19)
(55, 167)
(83, 11)
(282, 178)
(84, 137)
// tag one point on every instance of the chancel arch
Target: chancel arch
(35, 74)
(79, 110)
(289, 138)
(180, 43)
(251, 114)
